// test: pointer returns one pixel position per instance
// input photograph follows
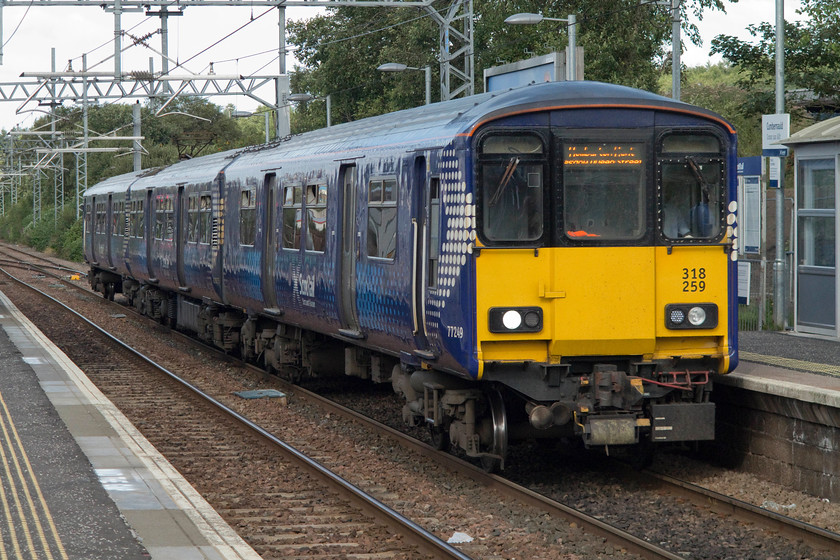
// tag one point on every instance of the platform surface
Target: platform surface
(788, 365)
(78, 480)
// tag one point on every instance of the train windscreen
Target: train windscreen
(604, 191)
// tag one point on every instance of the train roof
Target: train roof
(431, 125)
(446, 119)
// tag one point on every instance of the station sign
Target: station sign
(744, 282)
(773, 129)
(749, 205)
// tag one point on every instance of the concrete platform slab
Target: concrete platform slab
(82, 481)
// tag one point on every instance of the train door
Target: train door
(180, 234)
(350, 248)
(604, 186)
(270, 234)
(149, 218)
(90, 228)
(423, 247)
(110, 231)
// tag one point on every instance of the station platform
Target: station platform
(778, 414)
(788, 365)
(77, 480)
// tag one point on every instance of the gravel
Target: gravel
(445, 504)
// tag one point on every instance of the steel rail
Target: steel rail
(813, 536)
(415, 534)
(614, 535)
(591, 525)
(5, 247)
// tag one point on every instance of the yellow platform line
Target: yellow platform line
(27, 478)
(789, 363)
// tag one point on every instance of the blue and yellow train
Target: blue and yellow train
(557, 260)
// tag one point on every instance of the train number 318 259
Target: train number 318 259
(694, 279)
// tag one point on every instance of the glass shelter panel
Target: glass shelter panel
(816, 247)
(816, 184)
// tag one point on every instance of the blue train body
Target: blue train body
(373, 248)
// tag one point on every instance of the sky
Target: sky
(29, 35)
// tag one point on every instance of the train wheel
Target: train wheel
(497, 449)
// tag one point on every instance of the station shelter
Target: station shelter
(817, 228)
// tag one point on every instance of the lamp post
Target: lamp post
(303, 97)
(533, 19)
(397, 67)
(676, 44)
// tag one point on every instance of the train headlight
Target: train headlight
(512, 319)
(677, 316)
(691, 316)
(515, 319)
(697, 316)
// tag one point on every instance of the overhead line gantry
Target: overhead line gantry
(456, 55)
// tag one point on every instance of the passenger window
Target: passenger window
(164, 218)
(692, 182)
(382, 218)
(247, 217)
(136, 225)
(604, 191)
(292, 216)
(192, 219)
(512, 167)
(316, 218)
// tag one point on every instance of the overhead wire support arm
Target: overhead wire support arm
(103, 86)
(141, 5)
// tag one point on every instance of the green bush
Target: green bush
(16, 220)
(39, 235)
(70, 246)
(61, 235)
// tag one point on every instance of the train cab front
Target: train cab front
(605, 280)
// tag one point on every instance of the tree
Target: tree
(192, 125)
(716, 88)
(812, 56)
(625, 42)
(341, 51)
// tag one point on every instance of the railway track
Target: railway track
(717, 504)
(288, 506)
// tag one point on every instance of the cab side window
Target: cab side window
(692, 181)
(512, 171)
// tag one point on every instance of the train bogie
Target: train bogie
(552, 261)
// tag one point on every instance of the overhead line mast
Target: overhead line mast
(53, 88)
(455, 22)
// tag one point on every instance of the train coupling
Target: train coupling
(620, 429)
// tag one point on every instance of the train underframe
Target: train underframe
(613, 404)
(609, 403)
